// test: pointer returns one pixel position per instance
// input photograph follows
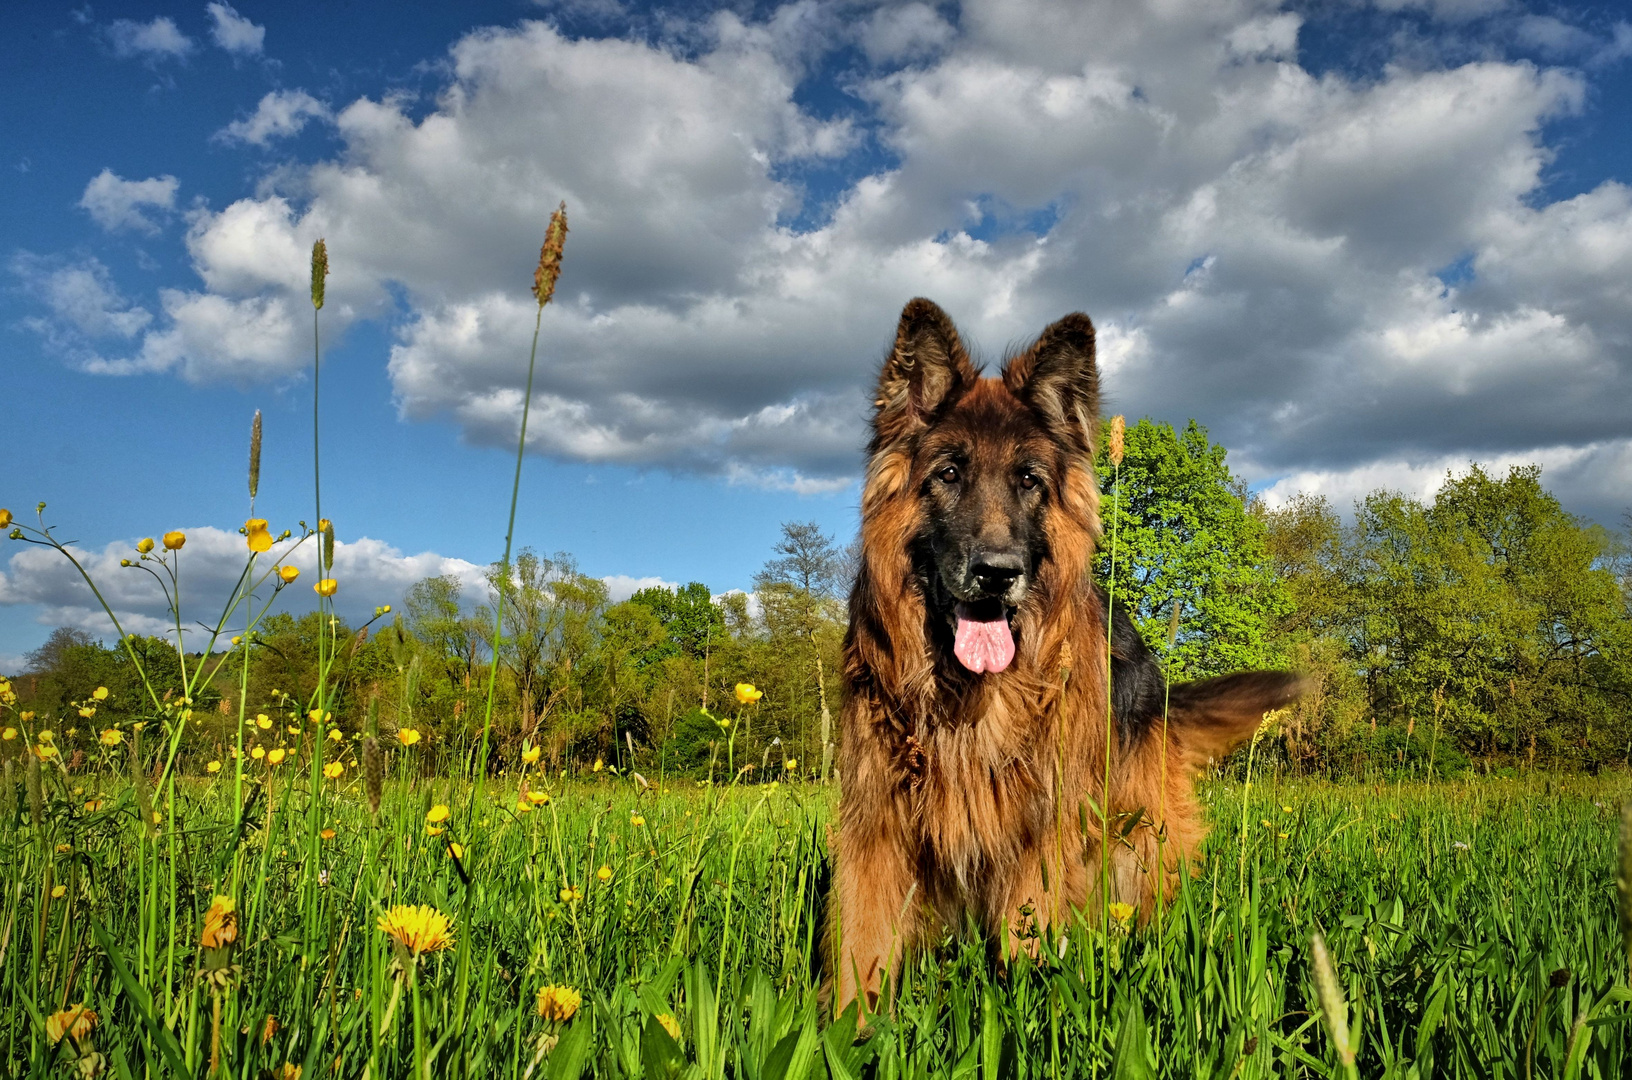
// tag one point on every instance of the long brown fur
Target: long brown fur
(961, 791)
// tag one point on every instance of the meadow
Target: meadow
(605, 927)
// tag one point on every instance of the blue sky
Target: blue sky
(1363, 242)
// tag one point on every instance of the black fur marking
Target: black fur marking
(1138, 686)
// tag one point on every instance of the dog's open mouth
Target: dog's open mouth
(984, 640)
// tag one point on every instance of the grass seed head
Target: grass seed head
(36, 792)
(320, 271)
(549, 256)
(138, 782)
(373, 773)
(8, 795)
(1623, 880)
(1118, 435)
(1332, 1005)
(255, 455)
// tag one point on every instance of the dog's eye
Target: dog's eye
(1028, 480)
(948, 475)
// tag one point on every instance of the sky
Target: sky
(1364, 243)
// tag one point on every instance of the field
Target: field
(1473, 926)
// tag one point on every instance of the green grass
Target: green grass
(1447, 953)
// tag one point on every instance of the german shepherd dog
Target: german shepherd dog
(973, 743)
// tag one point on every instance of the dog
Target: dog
(973, 740)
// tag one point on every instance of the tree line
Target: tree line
(1486, 627)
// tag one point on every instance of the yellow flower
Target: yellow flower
(327, 834)
(604, 873)
(324, 525)
(292, 729)
(1286, 809)
(747, 695)
(220, 923)
(5, 517)
(539, 798)
(276, 757)
(326, 587)
(174, 540)
(530, 754)
(213, 767)
(636, 820)
(65, 849)
(599, 765)
(334, 735)
(290, 1071)
(76, 1023)
(669, 1024)
(144, 545)
(112, 737)
(258, 753)
(434, 830)
(570, 894)
(333, 770)
(9, 734)
(1266, 823)
(288, 573)
(791, 764)
(408, 735)
(87, 711)
(59, 892)
(1121, 912)
(522, 807)
(256, 536)
(420, 929)
(263, 721)
(100, 693)
(437, 814)
(558, 1003)
(1284, 835)
(456, 850)
(93, 805)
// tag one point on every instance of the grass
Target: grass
(1490, 960)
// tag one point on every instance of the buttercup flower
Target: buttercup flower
(538, 798)
(112, 737)
(747, 695)
(420, 929)
(604, 873)
(558, 1003)
(144, 545)
(59, 892)
(75, 1022)
(256, 536)
(288, 573)
(326, 834)
(5, 517)
(456, 850)
(263, 721)
(220, 923)
(174, 540)
(599, 765)
(570, 893)
(636, 820)
(334, 735)
(334, 769)
(214, 767)
(408, 736)
(276, 756)
(258, 753)
(9, 734)
(100, 693)
(437, 814)
(531, 754)
(87, 711)
(791, 764)
(326, 587)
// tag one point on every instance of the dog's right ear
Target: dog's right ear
(927, 369)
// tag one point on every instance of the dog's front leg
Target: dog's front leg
(878, 913)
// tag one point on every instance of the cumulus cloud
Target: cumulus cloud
(153, 41)
(280, 114)
(620, 587)
(370, 573)
(83, 300)
(1331, 272)
(116, 203)
(233, 32)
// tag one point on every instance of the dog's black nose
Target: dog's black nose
(995, 571)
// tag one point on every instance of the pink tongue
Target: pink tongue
(983, 646)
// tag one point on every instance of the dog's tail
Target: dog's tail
(1211, 717)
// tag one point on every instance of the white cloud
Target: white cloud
(116, 203)
(1328, 271)
(233, 32)
(82, 298)
(620, 587)
(280, 114)
(370, 573)
(156, 40)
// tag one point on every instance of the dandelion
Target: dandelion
(174, 540)
(558, 1003)
(747, 695)
(326, 587)
(668, 1023)
(437, 814)
(530, 754)
(144, 545)
(408, 736)
(256, 536)
(1121, 912)
(420, 929)
(213, 767)
(334, 770)
(604, 874)
(111, 737)
(288, 573)
(75, 1022)
(59, 892)
(220, 924)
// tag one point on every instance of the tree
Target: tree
(1177, 532)
(798, 596)
(689, 616)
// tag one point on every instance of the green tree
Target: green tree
(689, 616)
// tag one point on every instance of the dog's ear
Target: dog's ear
(1211, 717)
(1059, 379)
(927, 369)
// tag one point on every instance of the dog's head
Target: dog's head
(992, 464)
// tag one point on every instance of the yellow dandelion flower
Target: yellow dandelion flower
(558, 1003)
(213, 767)
(111, 737)
(256, 536)
(747, 695)
(75, 1022)
(530, 754)
(326, 587)
(288, 573)
(437, 814)
(334, 770)
(173, 540)
(408, 736)
(420, 929)
(144, 545)
(604, 873)
(1121, 912)
(220, 923)
(669, 1024)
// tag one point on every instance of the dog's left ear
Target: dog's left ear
(1059, 379)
